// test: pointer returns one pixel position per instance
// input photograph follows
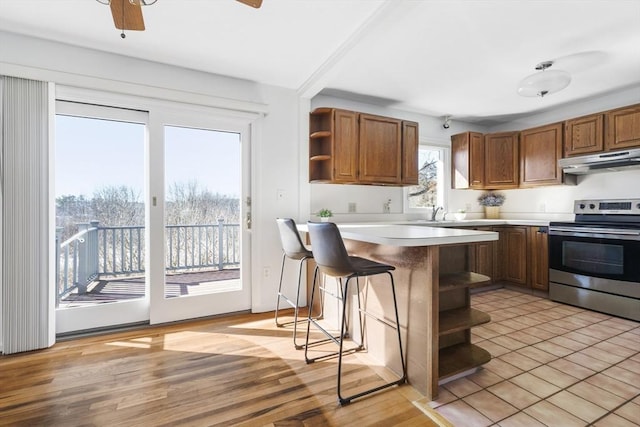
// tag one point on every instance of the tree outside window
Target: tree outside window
(430, 189)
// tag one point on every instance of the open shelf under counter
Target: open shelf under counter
(465, 279)
(460, 358)
(459, 319)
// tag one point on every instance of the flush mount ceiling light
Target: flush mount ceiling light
(545, 82)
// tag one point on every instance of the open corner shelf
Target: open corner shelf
(459, 319)
(459, 358)
(461, 280)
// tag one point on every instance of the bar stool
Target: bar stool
(294, 249)
(333, 260)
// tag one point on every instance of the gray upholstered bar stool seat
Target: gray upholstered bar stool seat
(293, 249)
(333, 260)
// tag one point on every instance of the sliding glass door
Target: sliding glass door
(151, 212)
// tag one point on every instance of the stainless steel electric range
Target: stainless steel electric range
(594, 262)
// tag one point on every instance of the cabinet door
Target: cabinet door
(584, 135)
(467, 160)
(540, 150)
(500, 254)
(539, 257)
(516, 252)
(622, 128)
(482, 255)
(501, 160)
(380, 150)
(410, 143)
(345, 146)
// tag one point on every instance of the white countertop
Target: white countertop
(409, 235)
(473, 222)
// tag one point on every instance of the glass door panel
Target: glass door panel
(203, 173)
(100, 217)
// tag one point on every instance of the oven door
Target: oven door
(605, 253)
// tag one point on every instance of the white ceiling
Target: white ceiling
(462, 58)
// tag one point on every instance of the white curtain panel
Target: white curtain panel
(24, 173)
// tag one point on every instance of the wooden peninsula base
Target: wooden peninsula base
(432, 280)
(432, 286)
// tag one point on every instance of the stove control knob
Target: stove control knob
(592, 206)
(582, 206)
(638, 206)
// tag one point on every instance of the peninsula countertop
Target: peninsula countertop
(407, 235)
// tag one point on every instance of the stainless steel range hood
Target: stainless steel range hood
(602, 162)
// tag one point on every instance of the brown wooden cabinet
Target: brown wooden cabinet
(538, 249)
(501, 160)
(540, 150)
(346, 147)
(482, 256)
(410, 147)
(467, 160)
(584, 135)
(514, 246)
(333, 146)
(380, 150)
(622, 128)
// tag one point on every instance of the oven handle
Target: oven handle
(606, 233)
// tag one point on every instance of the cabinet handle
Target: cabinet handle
(542, 230)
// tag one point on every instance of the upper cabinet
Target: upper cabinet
(529, 158)
(622, 128)
(540, 150)
(346, 147)
(380, 150)
(333, 148)
(608, 131)
(501, 160)
(584, 135)
(410, 146)
(467, 157)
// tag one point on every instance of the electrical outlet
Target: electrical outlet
(280, 195)
(467, 207)
(266, 272)
(352, 207)
(543, 207)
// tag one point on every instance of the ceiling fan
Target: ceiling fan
(127, 14)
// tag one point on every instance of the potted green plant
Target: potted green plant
(460, 214)
(491, 202)
(325, 214)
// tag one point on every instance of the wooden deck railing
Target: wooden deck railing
(96, 251)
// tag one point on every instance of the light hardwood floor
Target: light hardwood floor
(236, 370)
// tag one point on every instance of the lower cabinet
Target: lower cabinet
(482, 256)
(519, 257)
(515, 250)
(538, 248)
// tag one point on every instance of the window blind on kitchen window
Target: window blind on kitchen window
(25, 304)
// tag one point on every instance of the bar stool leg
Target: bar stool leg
(295, 305)
(346, 400)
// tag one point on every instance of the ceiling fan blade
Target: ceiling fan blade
(252, 3)
(127, 16)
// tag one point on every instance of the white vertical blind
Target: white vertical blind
(24, 189)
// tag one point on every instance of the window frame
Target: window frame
(444, 180)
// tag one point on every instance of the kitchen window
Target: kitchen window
(430, 190)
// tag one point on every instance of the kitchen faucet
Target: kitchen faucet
(435, 212)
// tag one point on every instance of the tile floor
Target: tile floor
(553, 365)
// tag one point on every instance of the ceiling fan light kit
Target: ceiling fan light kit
(545, 82)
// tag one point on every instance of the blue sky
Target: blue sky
(92, 153)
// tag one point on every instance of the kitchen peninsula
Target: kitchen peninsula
(432, 284)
